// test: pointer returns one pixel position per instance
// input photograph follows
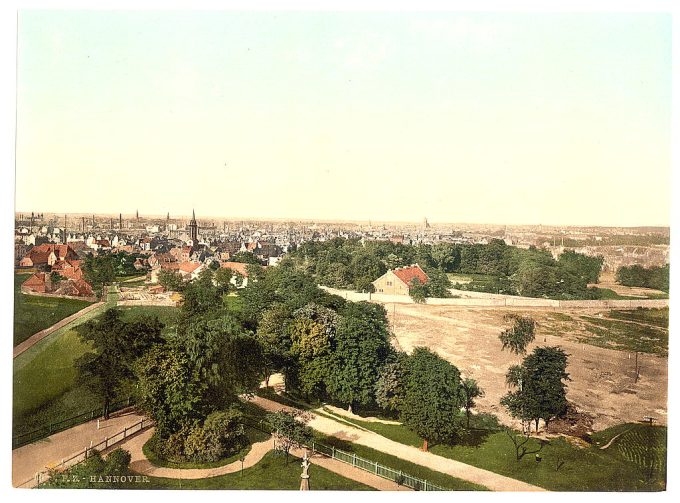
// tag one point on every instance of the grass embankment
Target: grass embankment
(33, 313)
(46, 385)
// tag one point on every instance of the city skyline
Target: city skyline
(479, 118)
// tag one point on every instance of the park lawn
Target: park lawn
(33, 313)
(272, 472)
(620, 335)
(609, 294)
(583, 469)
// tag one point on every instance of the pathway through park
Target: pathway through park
(140, 464)
(491, 480)
(35, 457)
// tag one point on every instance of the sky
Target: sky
(512, 118)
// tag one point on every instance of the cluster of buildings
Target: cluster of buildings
(187, 246)
(57, 271)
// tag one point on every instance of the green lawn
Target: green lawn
(583, 469)
(614, 334)
(33, 313)
(271, 472)
(166, 314)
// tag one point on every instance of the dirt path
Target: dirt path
(140, 464)
(31, 458)
(491, 480)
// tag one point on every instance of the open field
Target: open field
(603, 380)
(33, 313)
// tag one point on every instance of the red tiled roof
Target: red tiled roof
(35, 281)
(238, 267)
(407, 274)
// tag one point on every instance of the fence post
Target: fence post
(354, 459)
(313, 447)
(106, 442)
(424, 484)
(333, 452)
(376, 467)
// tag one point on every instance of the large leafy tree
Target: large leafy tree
(171, 280)
(311, 347)
(171, 391)
(362, 344)
(540, 386)
(226, 358)
(432, 401)
(116, 344)
(274, 338)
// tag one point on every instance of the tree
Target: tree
(361, 346)
(245, 257)
(225, 358)
(520, 335)
(222, 279)
(541, 391)
(171, 280)
(170, 390)
(470, 390)
(311, 347)
(116, 345)
(274, 338)
(99, 270)
(290, 430)
(418, 291)
(432, 401)
(389, 388)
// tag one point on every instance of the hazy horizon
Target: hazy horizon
(515, 118)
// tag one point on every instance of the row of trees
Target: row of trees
(652, 277)
(349, 263)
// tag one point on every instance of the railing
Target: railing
(47, 430)
(367, 465)
(43, 476)
(376, 468)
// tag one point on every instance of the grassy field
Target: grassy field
(166, 314)
(615, 334)
(34, 313)
(656, 317)
(563, 467)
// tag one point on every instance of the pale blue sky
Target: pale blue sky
(502, 118)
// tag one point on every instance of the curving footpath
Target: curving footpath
(491, 480)
(140, 464)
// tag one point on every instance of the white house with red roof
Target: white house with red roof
(398, 281)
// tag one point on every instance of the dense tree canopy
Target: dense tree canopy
(432, 402)
(652, 277)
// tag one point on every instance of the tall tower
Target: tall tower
(120, 221)
(193, 229)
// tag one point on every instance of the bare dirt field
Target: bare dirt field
(603, 380)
